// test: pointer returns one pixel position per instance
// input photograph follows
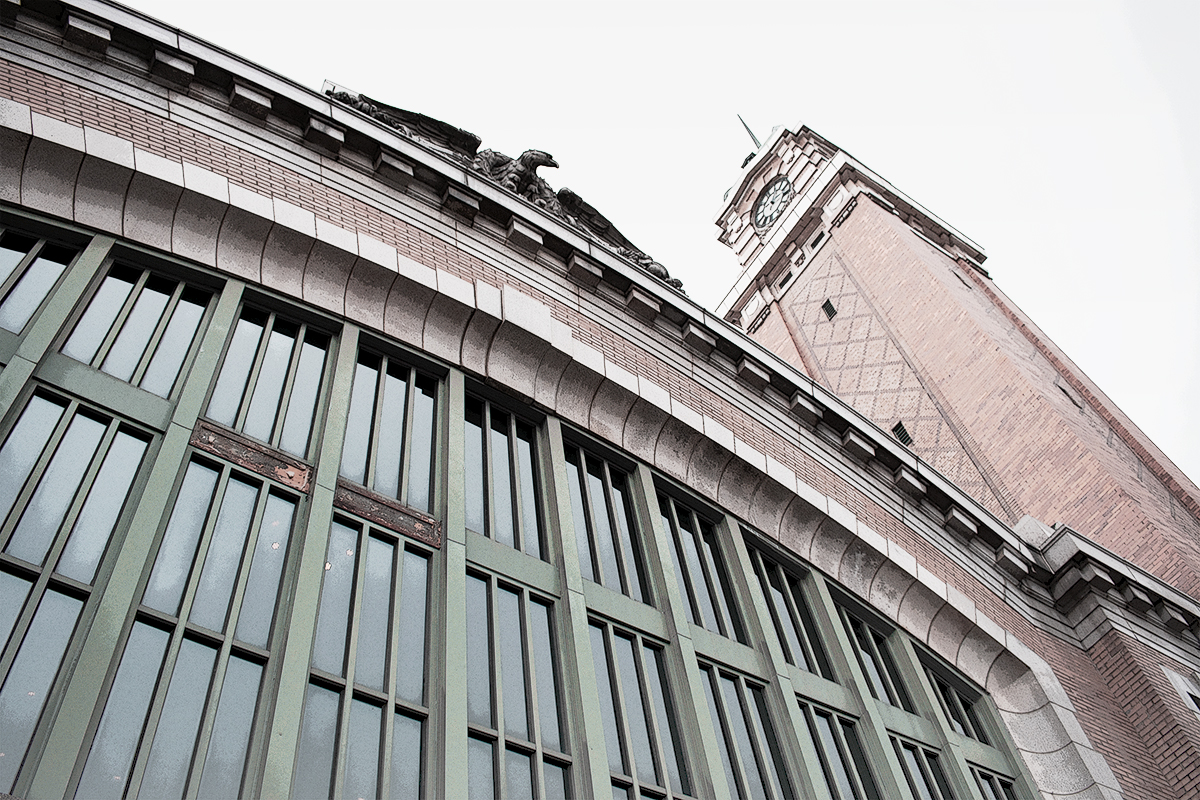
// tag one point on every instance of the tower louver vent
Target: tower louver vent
(829, 310)
(902, 434)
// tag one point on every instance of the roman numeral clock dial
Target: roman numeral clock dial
(772, 201)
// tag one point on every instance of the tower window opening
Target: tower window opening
(829, 309)
(786, 278)
(817, 240)
(901, 433)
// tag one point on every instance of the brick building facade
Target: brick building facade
(333, 465)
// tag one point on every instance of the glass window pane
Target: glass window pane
(479, 654)
(624, 514)
(178, 548)
(131, 342)
(266, 569)
(730, 625)
(226, 759)
(635, 710)
(518, 775)
(751, 769)
(302, 404)
(318, 740)
(174, 345)
(783, 617)
(606, 546)
(13, 592)
(547, 690)
(476, 486)
(916, 776)
(390, 446)
(407, 755)
(414, 593)
(361, 418)
(94, 526)
(371, 661)
(760, 718)
(235, 371)
(362, 751)
(481, 781)
(225, 549)
(268, 388)
(32, 287)
(25, 443)
(578, 515)
(512, 663)
(530, 515)
(656, 678)
(555, 785)
(333, 618)
(24, 692)
(608, 701)
(710, 692)
(834, 756)
(13, 248)
(55, 490)
(101, 313)
(502, 501)
(420, 471)
(106, 773)
(695, 572)
(861, 767)
(175, 737)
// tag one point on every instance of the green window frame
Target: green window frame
(369, 681)
(923, 771)
(874, 655)
(844, 768)
(790, 615)
(30, 269)
(751, 752)
(702, 570)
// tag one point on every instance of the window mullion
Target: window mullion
(38, 470)
(531, 688)
(204, 737)
(206, 534)
(514, 481)
(624, 580)
(260, 356)
(138, 768)
(81, 495)
(410, 412)
(20, 268)
(389, 673)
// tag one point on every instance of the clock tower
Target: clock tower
(891, 308)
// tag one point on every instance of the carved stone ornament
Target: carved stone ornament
(517, 175)
(251, 455)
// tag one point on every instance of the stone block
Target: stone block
(174, 68)
(753, 373)
(324, 133)
(523, 236)
(250, 99)
(583, 269)
(87, 32)
(393, 168)
(957, 520)
(806, 409)
(858, 445)
(642, 303)
(698, 339)
(460, 201)
(908, 482)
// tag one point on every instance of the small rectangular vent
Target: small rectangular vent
(829, 310)
(902, 433)
(784, 281)
(816, 240)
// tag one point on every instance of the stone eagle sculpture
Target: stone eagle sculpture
(517, 175)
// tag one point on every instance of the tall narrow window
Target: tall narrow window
(605, 529)
(923, 771)
(66, 473)
(390, 433)
(181, 715)
(790, 615)
(139, 327)
(517, 742)
(502, 480)
(269, 386)
(29, 269)
(641, 733)
(698, 562)
(844, 771)
(875, 658)
(959, 709)
(993, 787)
(750, 752)
(367, 685)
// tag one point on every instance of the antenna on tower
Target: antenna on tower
(753, 138)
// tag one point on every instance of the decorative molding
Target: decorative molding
(387, 513)
(251, 455)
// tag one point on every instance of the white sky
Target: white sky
(1060, 136)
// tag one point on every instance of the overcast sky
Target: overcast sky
(1062, 137)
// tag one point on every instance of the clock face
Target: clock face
(771, 202)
